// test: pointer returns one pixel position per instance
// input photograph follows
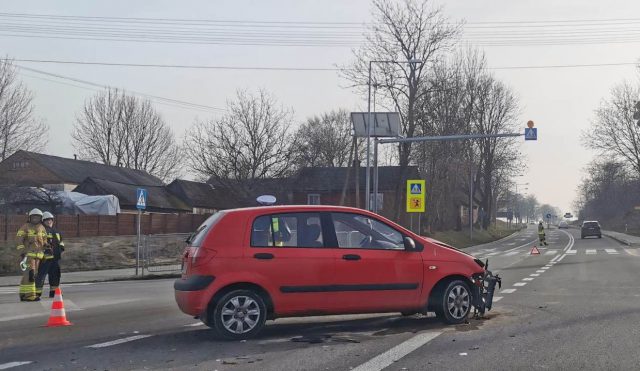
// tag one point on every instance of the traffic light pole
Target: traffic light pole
(444, 138)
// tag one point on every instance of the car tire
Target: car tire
(455, 303)
(599, 236)
(239, 315)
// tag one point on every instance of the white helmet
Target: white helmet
(47, 215)
(37, 212)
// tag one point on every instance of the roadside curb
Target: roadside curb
(620, 240)
(111, 279)
(496, 241)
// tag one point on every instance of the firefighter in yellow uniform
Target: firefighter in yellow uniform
(31, 239)
(50, 264)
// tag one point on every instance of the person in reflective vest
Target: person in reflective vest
(541, 235)
(52, 254)
(31, 240)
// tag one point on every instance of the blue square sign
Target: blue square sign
(141, 198)
(531, 134)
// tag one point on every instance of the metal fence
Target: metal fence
(162, 253)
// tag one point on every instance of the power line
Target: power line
(283, 68)
(158, 99)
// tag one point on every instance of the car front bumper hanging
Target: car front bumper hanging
(484, 288)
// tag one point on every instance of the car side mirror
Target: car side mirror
(409, 244)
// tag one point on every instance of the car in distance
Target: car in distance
(563, 225)
(244, 266)
(590, 228)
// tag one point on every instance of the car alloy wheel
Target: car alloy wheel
(240, 314)
(458, 302)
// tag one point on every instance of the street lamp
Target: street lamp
(368, 175)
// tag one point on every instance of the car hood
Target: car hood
(446, 252)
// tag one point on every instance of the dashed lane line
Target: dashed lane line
(528, 279)
(8, 365)
(535, 275)
(394, 354)
(118, 341)
(551, 252)
(497, 299)
(519, 284)
(611, 251)
(507, 291)
(591, 251)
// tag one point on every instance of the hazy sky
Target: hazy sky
(560, 100)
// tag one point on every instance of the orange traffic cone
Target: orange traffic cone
(534, 250)
(58, 316)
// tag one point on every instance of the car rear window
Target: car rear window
(198, 236)
(591, 224)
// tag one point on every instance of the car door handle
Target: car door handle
(263, 256)
(351, 257)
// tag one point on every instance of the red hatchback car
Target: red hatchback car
(244, 266)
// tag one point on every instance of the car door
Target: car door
(373, 271)
(288, 252)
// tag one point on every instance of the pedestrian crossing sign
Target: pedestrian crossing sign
(141, 199)
(415, 196)
(531, 134)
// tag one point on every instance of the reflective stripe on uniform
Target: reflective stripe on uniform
(20, 233)
(35, 255)
(28, 289)
(20, 247)
(58, 237)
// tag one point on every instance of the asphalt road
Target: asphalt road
(574, 306)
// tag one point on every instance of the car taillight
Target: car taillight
(200, 256)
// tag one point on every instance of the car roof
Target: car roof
(590, 221)
(294, 208)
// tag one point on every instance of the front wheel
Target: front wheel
(239, 314)
(455, 304)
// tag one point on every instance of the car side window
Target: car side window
(287, 230)
(355, 231)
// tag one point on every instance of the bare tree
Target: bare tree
(402, 31)
(325, 140)
(252, 141)
(18, 127)
(614, 131)
(121, 130)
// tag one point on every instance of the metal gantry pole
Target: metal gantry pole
(368, 175)
(375, 175)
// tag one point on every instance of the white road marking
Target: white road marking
(611, 251)
(394, 354)
(194, 324)
(519, 284)
(591, 251)
(569, 252)
(535, 275)
(118, 341)
(5, 366)
(633, 252)
(497, 298)
(561, 257)
(464, 354)
(551, 252)
(493, 253)
(508, 291)
(512, 253)
(510, 243)
(544, 268)
(540, 271)
(527, 279)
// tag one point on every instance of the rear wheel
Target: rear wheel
(455, 303)
(239, 314)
